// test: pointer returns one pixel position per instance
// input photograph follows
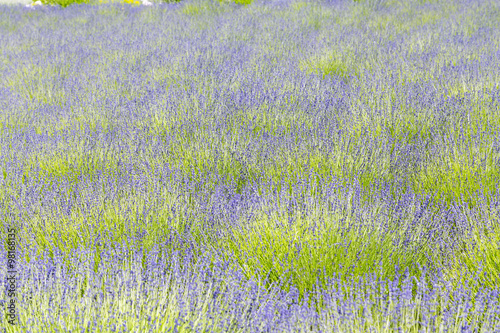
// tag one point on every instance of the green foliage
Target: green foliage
(243, 2)
(331, 63)
(66, 3)
(64, 234)
(477, 262)
(71, 165)
(298, 6)
(39, 83)
(238, 2)
(192, 9)
(307, 252)
(458, 179)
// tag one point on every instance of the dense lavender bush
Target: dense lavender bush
(281, 166)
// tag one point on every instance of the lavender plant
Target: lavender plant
(275, 167)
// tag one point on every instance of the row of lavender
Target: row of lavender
(275, 167)
(181, 282)
(152, 292)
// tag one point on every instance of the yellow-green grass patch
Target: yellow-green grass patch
(72, 164)
(477, 262)
(56, 231)
(461, 175)
(332, 62)
(308, 250)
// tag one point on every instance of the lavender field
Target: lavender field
(279, 166)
